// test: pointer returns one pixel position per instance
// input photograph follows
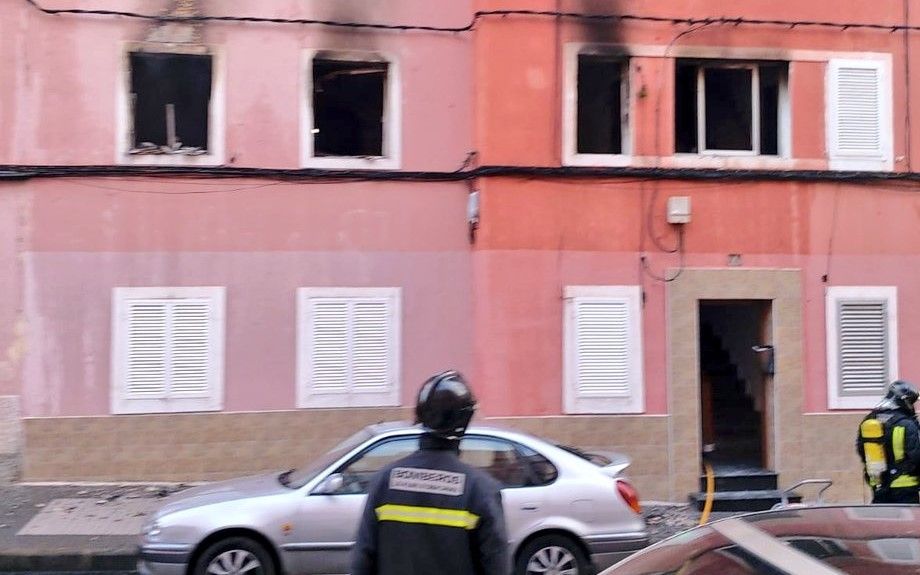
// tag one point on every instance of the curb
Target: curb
(67, 561)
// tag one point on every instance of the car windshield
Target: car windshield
(297, 478)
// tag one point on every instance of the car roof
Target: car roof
(397, 426)
(864, 540)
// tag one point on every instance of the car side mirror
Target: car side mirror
(330, 486)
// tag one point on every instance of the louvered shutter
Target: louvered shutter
(329, 346)
(146, 373)
(860, 123)
(602, 356)
(350, 343)
(863, 347)
(370, 349)
(602, 348)
(167, 349)
(190, 347)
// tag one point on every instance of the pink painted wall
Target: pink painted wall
(262, 239)
(58, 91)
(262, 245)
(13, 205)
(522, 55)
(538, 237)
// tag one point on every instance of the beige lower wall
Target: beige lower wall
(829, 452)
(10, 425)
(196, 447)
(10, 437)
(192, 447)
(184, 447)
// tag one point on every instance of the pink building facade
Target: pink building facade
(598, 220)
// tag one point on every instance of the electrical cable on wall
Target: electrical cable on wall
(680, 266)
(650, 205)
(477, 16)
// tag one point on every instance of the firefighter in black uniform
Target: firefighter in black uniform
(430, 513)
(888, 443)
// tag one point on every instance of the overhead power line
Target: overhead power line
(477, 16)
(550, 172)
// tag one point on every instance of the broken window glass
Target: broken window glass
(171, 97)
(600, 109)
(348, 107)
(740, 107)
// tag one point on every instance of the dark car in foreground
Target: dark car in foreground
(822, 540)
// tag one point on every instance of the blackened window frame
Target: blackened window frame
(569, 106)
(690, 113)
(621, 65)
(391, 114)
(139, 100)
(215, 155)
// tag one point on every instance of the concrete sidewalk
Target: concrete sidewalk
(75, 527)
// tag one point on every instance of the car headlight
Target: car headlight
(151, 530)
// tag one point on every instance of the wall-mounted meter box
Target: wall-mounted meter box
(679, 210)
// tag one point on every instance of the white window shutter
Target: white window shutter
(863, 347)
(147, 342)
(371, 327)
(603, 350)
(167, 353)
(348, 347)
(859, 123)
(328, 345)
(862, 344)
(190, 348)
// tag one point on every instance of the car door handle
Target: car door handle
(530, 507)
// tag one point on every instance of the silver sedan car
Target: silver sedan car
(564, 509)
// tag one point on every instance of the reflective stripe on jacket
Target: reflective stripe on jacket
(428, 514)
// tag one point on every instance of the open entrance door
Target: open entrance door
(735, 366)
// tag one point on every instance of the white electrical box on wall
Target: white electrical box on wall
(679, 210)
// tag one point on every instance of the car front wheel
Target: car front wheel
(552, 555)
(235, 556)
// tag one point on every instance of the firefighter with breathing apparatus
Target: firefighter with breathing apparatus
(888, 443)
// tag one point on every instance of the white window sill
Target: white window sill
(175, 405)
(602, 406)
(348, 401)
(729, 161)
(125, 159)
(861, 165)
(859, 402)
(351, 163)
(598, 160)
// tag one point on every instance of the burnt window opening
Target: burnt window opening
(171, 98)
(348, 107)
(728, 108)
(600, 104)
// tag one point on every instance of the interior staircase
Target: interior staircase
(741, 484)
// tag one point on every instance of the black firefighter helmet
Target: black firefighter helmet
(445, 405)
(904, 394)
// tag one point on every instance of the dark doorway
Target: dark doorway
(734, 373)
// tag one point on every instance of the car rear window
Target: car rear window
(595, 458)
(543, 471)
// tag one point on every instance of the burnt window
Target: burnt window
(348, 107)
(171, 97)
(728, 107)
(600, 104)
